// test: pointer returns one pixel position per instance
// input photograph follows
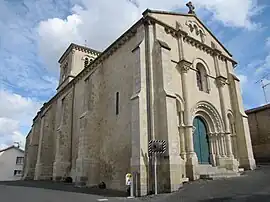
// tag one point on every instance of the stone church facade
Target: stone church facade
(166, 78)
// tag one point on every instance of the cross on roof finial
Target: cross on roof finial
(191, 8)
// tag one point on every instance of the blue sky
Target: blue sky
(34, 34)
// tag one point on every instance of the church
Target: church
(166, 78)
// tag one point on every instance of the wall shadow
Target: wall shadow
(68, 187)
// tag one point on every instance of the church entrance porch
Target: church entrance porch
(210, 143)
(201, 141)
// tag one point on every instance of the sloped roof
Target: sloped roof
(12, 147)
(257, 109)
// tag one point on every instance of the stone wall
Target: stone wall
(46, 149)
(63, 137)
(26, 157)
(104, 142)
(259, 119)
(32, 144)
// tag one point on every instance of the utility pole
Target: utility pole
(264, 86)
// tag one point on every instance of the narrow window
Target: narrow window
(199, 80)
(85, 101)
(89, 93)
(63, 111)
(117, 103)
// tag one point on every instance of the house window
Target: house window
(117, 103)
(19, 160)
(17, 172)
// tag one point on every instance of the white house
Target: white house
(11, 163)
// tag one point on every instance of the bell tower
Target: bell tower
(73, 61)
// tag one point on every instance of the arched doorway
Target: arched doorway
(201, 141)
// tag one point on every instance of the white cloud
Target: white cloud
(264, 67)
(16, 112)
(233, 13)
(101, 22)
(243, 81)
(268, 42)
(7, 125)
(14, 106)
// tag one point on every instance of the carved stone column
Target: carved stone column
(235, 146)
(192, 159)
(221, 81)
(182, 143)
(217, 147)
(212, 149)
(222, 145)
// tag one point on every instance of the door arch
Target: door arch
(201, 141)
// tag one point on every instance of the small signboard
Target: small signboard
(128, 179)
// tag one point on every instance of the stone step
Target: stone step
(220, 176)
(210, 172)
(209, 169)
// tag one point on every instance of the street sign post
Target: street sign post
(156, 147)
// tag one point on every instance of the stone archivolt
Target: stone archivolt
(209, 114)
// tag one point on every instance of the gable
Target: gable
(191, 25)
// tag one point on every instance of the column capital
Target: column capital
(221, 81)
(184, 65)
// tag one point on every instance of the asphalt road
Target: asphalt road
(252, 186)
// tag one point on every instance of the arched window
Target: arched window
(201, 77)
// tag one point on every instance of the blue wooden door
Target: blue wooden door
(201, 142)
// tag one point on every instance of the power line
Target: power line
(264, 86)
(266, 75)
